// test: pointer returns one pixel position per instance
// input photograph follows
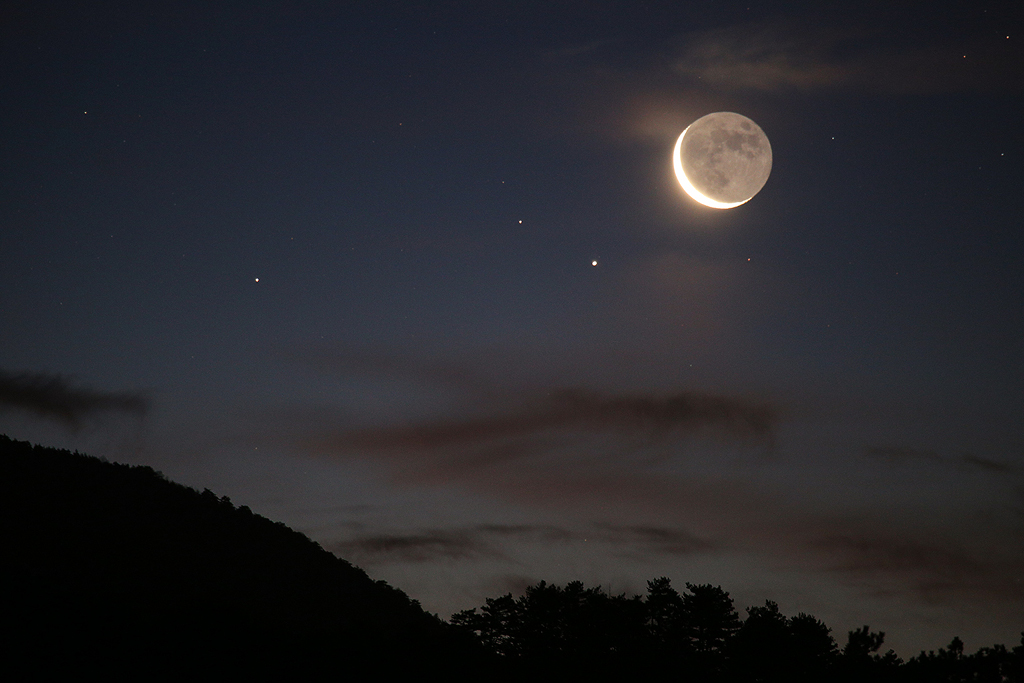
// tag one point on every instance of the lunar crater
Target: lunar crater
(723, 159)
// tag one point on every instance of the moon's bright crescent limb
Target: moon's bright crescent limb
(677, 164)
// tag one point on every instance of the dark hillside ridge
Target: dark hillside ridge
(113, 568)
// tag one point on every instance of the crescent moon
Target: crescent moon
(677, 164)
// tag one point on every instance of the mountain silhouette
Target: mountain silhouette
(113, 569)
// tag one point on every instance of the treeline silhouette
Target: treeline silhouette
(585, 633)
(113, 569)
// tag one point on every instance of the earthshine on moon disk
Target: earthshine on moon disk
(722, 160)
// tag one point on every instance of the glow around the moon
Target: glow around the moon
(722, 160)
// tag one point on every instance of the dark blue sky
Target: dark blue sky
(345, 256)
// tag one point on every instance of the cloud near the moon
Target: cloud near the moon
(803, 54)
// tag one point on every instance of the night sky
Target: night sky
(337, 263)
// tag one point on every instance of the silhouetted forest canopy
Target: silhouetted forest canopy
(114, 569)
(699, 636)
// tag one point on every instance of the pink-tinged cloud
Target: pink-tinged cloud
(677, 415)
(935, 569)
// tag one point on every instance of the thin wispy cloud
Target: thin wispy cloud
(801, 54)
(658, 540)
(415, 547)
(902, 453)
(542, 532)
(987, 464)
(487, 541)
(680, 414)
(936, 570)
(896, 454)
(54, 397)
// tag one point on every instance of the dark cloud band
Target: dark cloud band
(53, 397)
